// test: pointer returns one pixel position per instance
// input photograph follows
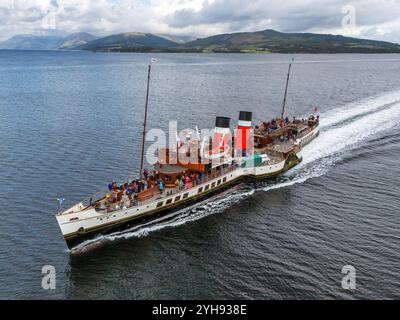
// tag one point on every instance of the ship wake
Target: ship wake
(343, 129)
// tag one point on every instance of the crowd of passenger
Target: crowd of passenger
(275, 124)
(126, 194)
(189, 180)
(129, 191)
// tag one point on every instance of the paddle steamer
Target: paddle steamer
(216, 164)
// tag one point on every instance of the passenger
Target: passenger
(136, 188)
(119, 195)
(129, 192)
(125, 201)
(188, 182)
(161, 186)
(113, 196)
(145, 173)
(115, 187)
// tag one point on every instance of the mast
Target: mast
(286, 88)
(145, 121)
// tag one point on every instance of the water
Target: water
(71, 122)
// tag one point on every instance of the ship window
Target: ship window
(213, 185)
(185, 195)
(159, 204)
(219, 182)
(207, 187)
(224, 180)
(200, 190)
(168, 178)
(169, 201)
(178, 198)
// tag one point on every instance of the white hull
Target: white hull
(71, 223)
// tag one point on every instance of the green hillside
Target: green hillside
(273, 41)
(132, 41)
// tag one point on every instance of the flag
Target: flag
(153, 60)
(315, 109)
(60, 203)
(61, 200)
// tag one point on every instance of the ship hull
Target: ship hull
(97, 230)
(77, 239)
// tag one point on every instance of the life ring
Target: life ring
(81, 230)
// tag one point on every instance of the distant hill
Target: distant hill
(32, 42)
(274, 41)
(131, 41)
(76, 40)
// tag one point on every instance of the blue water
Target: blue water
(71, 122)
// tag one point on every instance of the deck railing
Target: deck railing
(125, 204)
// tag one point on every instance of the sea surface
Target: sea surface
(70, 122)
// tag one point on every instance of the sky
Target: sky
(371, 19)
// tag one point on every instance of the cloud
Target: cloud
(378, 19)
(294, 16)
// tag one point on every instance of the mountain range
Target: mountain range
(266, 41)
(52, 42)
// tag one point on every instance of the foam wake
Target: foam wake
(342, 129)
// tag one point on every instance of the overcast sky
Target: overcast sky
(374, 19)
